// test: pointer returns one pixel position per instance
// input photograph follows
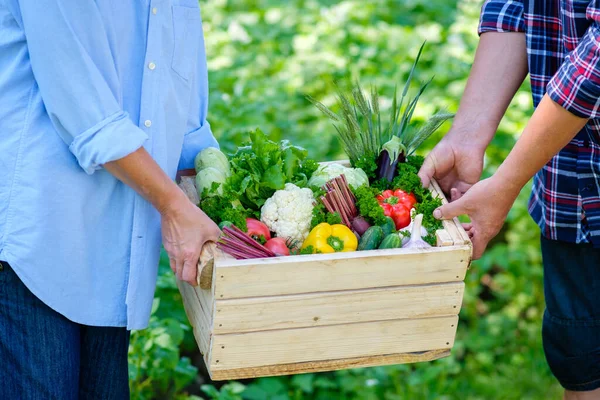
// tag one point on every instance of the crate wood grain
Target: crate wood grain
(340, 271)
(338, 307)
(453, 227)
(200, 321)
(284, 346)
(328, 365)
(324, 312)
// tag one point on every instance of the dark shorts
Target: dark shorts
(571, 327)
(44, 356)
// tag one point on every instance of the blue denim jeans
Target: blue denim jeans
(571, 325)
(45, 356)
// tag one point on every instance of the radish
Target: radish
(278, 246)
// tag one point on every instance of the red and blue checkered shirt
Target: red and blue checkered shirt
(563, 50)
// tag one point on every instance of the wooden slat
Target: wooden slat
(450, 227)
(286, 346)
(443, 238)
(453, 226)
(327, 365)
(199, 316)
(339, 271)
(329, 308)
(463, 234)
(206, 265)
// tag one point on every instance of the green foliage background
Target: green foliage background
(265, 56)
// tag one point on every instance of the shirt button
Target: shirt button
(152, 66)
(154, 11)
(148, 123)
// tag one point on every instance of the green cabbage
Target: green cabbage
(209, 182)
(356, 177)
(212, 157)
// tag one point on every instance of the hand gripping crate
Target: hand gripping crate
(323, 312)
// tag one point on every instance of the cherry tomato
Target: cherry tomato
(278, 246)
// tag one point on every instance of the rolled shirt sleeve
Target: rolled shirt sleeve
(576, 85)
(501, 16)
(77, 78)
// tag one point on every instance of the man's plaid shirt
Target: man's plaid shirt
(563, 49)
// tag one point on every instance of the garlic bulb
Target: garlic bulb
(415, 241)
(406, 237)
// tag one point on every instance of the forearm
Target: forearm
(499, 69)
(549, 130)
(139, 171)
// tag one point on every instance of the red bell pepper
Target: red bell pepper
(397, 205)
(408, 199)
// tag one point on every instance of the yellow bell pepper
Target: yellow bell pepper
(325, 238)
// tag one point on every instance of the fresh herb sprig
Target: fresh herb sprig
(372, 144)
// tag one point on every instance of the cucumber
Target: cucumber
(371, 239)
(389, 226)
(391, 241)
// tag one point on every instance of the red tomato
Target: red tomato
(256, 229)
(278, 246)
(401, 216)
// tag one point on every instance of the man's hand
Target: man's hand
(455, 166)
(487, 203)
(185, 229)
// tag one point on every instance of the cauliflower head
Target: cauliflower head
(288, 212)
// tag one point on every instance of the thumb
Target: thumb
(451, 210)
(427, 171)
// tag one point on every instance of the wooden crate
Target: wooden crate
(322, 312)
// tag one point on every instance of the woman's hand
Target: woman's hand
(185, 229)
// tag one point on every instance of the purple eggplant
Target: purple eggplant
(392, 153)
